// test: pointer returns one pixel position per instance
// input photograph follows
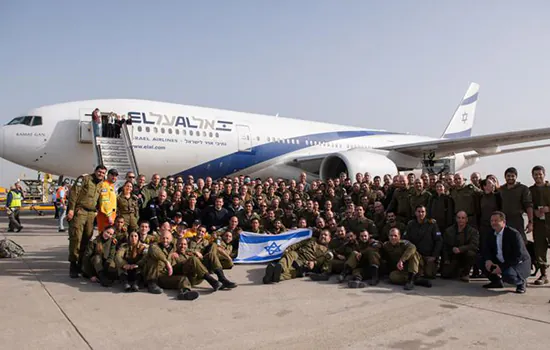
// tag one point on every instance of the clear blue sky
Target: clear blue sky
(394, 65)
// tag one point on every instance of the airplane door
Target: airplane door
(244, 138)
(85, 133)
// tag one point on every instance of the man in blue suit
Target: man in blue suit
(506, 257)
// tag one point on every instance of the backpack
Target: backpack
(10, 249)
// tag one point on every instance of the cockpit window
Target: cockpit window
(26, 120)
(36, 121)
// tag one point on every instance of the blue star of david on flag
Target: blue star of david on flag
(273, 248)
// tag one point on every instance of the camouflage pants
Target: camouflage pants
(541, 237)
(215, 260)
(371, 257)
(81, 230)
(402, 276)
(185, 275)
(459, 265)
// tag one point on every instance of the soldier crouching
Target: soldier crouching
(306, 256)
(402, 261)
(460, 247)
(98, 262)
(129, 260)
(363, 262)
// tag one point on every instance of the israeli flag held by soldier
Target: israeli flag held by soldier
(258, 248)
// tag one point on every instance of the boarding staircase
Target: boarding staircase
(116, 153)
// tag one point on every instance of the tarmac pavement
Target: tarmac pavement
(43, 308)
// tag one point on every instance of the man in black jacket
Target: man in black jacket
(506, 257)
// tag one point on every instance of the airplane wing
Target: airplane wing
(484, 145)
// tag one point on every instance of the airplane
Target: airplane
(186, 140)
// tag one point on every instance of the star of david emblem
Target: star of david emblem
(273, 248)
(464, 117)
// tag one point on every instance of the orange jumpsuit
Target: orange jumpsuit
(107, 205)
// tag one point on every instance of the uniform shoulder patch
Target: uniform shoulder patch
(404, 241)
(438, 233)
(79, 181)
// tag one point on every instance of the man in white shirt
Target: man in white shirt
(506, 256)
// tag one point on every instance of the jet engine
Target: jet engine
(356, 161)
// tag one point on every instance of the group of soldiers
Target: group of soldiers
(174, 232)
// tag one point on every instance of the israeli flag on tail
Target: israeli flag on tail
(258, 248)
(463, 119)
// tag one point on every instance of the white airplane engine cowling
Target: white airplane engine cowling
(356, 161)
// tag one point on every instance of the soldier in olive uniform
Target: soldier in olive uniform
(460, 248)
(199, 244)
(341, 247)
(441, 207)
(400, 203)
(158, 262)
(128, 207)
(402, 261)
(465, 198)
(419, 196)
(391, 222)
(219, 258)
(361, 223)
(540, 193)
(516, 200)
(364, 261)
(129, 260)
(306, 256)
(99, 258)
(149, 192)
(83, 200)
(426, 237)
(185, 272)
(489, 202)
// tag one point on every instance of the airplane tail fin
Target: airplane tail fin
(463, 119)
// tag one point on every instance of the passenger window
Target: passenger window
(140, 128)
(210, 135)
(36, 121)
(190, 132)
(147, 129)
(204, 133)
(217, 135)
(183, 132)
(170, 131)
(155, 130)
(162, 130)
(177, 131)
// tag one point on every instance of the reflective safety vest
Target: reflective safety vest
(16, 199)
(60, 195)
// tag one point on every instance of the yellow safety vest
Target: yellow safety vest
(16, 198)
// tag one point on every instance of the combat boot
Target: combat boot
(226, 284)
(73, 270)
(277, 270)
(423, 283)
(134, 287)
(153, 288)
(542, 279)
(125, 285)
(104, 279)
(374, 279)
(268, 277)
(212, 282)
(410, 282)
(356, 282)
(344, 274)
(186, 294)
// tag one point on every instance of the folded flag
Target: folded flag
(258, 248)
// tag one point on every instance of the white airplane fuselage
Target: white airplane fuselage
(178, 139)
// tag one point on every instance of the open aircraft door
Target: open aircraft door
(85, 132)
(244, 138)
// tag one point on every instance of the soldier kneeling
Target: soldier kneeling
(129, 260)
(99, 259)
(403, 261)
(219, 258)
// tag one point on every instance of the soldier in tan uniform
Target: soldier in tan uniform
(128, 206)
(306, 256)
(130, 259)
(83, 201)
(419, 196)
(540, 192)
(340, 247)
